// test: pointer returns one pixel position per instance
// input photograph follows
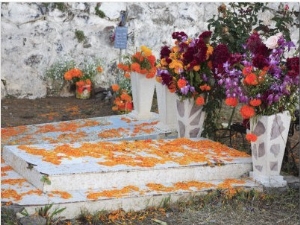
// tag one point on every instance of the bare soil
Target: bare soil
(278, 206)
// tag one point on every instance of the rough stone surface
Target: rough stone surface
(34, 36)
(33, 220)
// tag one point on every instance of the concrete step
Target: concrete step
(110, 164)
(16, 190)
(118, 127)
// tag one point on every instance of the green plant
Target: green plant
(99, 12)
(79, 34)
(45, 179)
(45, 212)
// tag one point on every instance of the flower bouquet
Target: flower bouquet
(262, 79)
(186, 69)
(82, 79)
(267, 86)
(141, 68)
(123, 99)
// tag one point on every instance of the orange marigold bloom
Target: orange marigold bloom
(136, 67)
(68, 76)
(80, 83)
(251, 79)
(200, 100)
(76, 72)
(151, 59)
(123, 67)
(151, 73)
(209, 64)
(196, 68)
(115, 108)
(247, 111)
(88, 82)
(231, 101)
(205, 87)
(127, 74)
(181, 83)
(115, 87)
(126, 97)
(251, 137)
(99, 69)
(255, 102)
(163, 62)
(247, 70)
(172, 87)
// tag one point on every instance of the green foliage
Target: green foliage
(45, 179)
(99, 12)
(79, 34)
(233, 25)
(90, 67)
(45, 212)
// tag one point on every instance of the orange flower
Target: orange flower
(135, 67)
(247, 111)
(115, 87)
(205, 87)
(251, 79)
(158, 79)
(247, 70)
(80, 83)
(126, 97)
(255, 102)
(231, 101)
(196, 68)
(123, 67)
(99, 69)
(76, 72)
(88, 82)
(200, 100)
(181, 83)
(151, 73)
(172, 87)
(151, 59)
(127, 74)
(68, 76)
(115, 108)
(251, 137)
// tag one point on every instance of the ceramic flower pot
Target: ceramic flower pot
(166, 102)
(268, 149)
(190, 118)
(84, 91)
(142, 95)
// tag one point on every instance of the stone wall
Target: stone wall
(34, 36)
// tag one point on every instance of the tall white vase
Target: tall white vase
(190, 118)
(142, 94)
(268, 149)
(166, 102)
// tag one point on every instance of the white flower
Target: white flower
(271, 42)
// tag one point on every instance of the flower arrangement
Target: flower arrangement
(262, 79)
(83, 78)
(123, 98)
(142, 62)
(186, 67)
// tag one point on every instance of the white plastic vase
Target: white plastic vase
(190, 118)
(142, 95)
(268, 150)
(166, 102)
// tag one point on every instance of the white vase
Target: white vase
(166, 102)
(142, 95)
(268, 149)
(190, 118)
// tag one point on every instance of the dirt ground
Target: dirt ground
(278, 207)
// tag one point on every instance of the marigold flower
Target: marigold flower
(255, 102)
(231, 101)
(251, 137)
(136, 67)
(247, 70)
(181, 83)
(99, 69)
(68, 76)
(115, 108)
(127, 74)
(126, 97)
(200, 100)
(123, 67)
(205, 87)
(196, 68)
(163, 62)
(251, 79)
(151, 59)
(146, 51)
(247, 111)
(115, 87)
(151, 73)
